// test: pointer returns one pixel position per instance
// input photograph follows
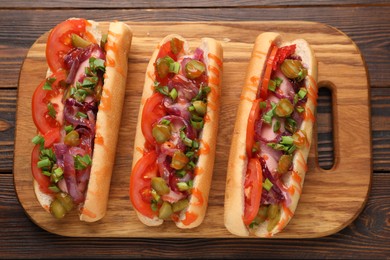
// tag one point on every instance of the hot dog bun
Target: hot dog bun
(237, 166)
(108, 119)
(207, 139)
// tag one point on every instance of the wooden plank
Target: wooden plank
(318, 213)
(46, 4)
(17, 35)
(21, 238)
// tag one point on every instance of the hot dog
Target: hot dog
(175, 140)
(77, 111)
(272, 137)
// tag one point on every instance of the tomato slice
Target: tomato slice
(43, 180)
(41, 98)
(253, 188)
(267, 74)
(140, 184)
(254, 115)
(153, 110)
(59, 41)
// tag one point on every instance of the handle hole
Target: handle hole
(325, 128)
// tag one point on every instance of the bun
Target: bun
(238, 157)
(194, 213)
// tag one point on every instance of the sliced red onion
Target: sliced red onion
(198, 54)
(82, 179)
(71, 180)
(76, 56)
(274, 195)
(173, 196)
(178, 108)
(164, 167)
(187, 89)
(59, 150)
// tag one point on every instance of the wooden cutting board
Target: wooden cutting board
(331, 199)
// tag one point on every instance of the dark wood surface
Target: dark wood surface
(367, 23)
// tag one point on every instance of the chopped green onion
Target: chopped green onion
(48, 153)
(267, 184)
(38, 139)
(278, 81)
(287, 140)
(195, 144)
(58, 172)
(187, 141)
(181, 173)
(300, 109)
(267, 118)
(51, 111)
(192, 164)
(272, 85)
(47, 173)
(82, 162)
(48, 83)
(174, 67)
(96, 64)
(154, 206)
(165, 122)
(302, 93)
(68, 128)
(190, 154)
(276, 126)
(44, 163)
(291, 149)
(173, 93)
(263, 104)
(197, 125)
(54, 188)
(81, 114)
(89, 82)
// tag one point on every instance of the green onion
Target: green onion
(48, 153)
(190, 154)
(48, 83)
(267, 184)
(173, 93)
(267, 118)
(278, 81)
(154, 206)
(68, 128)
(89, 82)
(58, 172)
(174, 67)
(165, 122)
(276, 126)
(302, 93)
(263, 104)
(44, 163)
(38, 139)
(272, 85)
(96, 64)
(54, 188)
(51, 111)
(82, 162)
(287, 140)
(291, 149)
(300, 109)
(195, 144)
(81, 114)
(181, 173)
(187, 141)
(197, 125)
(47, 173)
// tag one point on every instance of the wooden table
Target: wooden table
(367, 23)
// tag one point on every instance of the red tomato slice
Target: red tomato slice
(43, 180)
(59, 41)
(253, 188)
(254, 115)
(40, 113)
(51, 137)
(267, 74)
(153, 110)
(140, 184)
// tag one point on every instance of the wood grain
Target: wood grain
(369, 31)
(318, 214)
